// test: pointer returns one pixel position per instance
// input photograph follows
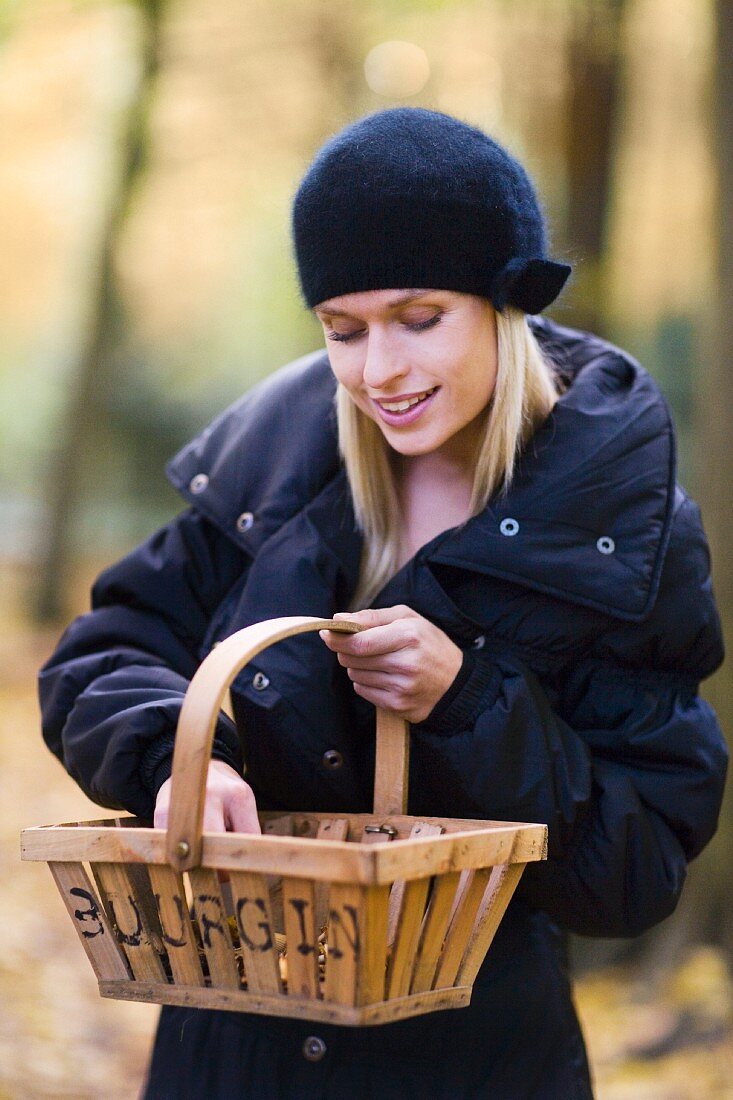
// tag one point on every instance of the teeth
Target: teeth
(402, 406)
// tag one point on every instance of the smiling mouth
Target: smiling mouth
(405, 403)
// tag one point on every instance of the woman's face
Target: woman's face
(420, 363)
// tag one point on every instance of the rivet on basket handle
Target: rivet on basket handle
(200, 713)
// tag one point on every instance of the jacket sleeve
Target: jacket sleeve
(627, 769)
(111, 692)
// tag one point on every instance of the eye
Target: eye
(420, 326)
(413, 326)
(344, 337)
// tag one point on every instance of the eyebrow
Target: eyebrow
(399, 300)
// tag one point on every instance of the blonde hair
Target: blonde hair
(525, 392)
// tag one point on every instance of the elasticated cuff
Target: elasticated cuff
(157, 763)
(465, 698)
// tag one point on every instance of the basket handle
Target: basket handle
(200, 713)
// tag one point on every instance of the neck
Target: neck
(434, 493)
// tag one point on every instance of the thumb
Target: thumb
(377, 616)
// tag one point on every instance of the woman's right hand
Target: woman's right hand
(229, 806)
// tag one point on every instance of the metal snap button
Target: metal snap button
(314, 1048)
(198, 483)
(260, 681)
(245, 521)
(478, 643)
(332, 759)
(509, 527)
(606, 545)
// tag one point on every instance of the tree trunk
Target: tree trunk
(595, 70)
(84, 412)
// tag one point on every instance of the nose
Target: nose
(384, 364)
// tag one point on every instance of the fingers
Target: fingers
(162, 804)
(389, 699)
(373, 642)
(377, 616)
(229, 805)
(213, 816)
(376, 678)
(241, 811)
(400, 661)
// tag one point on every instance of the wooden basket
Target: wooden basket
(236, 921)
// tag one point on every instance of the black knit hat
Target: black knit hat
(414, 198)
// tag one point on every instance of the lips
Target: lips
(406, 408)
(402, 404)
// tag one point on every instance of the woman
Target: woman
(505, 522)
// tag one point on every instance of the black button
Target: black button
(314, 1048)
(332, 759)
(478, 643)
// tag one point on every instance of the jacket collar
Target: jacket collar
(259, 462)
(587, 518)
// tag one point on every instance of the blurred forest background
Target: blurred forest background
(149, 150)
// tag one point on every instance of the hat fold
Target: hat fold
(529, 284)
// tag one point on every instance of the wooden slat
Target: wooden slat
(139, 876)
(212, 920)
(129, 910)
(177, 931)
(433, 931)
(232, 1000)
(357, 944)
(420, 828)
(90, 921)
(329, 829)
(407, 932)
(502, 884)
(277, 826)
(373, 966)
(463, 884)
(345, 943)
(282, 825)
(256, 932)
(461, 927)
(301, 934)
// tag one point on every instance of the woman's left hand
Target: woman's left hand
(401, 661)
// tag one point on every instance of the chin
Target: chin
(413, 448)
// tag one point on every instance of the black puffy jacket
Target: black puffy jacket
(583, 601)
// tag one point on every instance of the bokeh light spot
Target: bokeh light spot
(397, 70)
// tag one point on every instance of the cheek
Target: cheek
(345, 370)
(348, 373)
(475, 388)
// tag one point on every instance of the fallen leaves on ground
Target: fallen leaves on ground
(666, 1039)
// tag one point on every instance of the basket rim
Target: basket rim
(307, 857)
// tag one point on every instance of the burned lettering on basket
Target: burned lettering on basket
(205, 921)
(92, 912)
(300, 905)
(266, 944)
(130, 939)
(173, 941)
(352, 938)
